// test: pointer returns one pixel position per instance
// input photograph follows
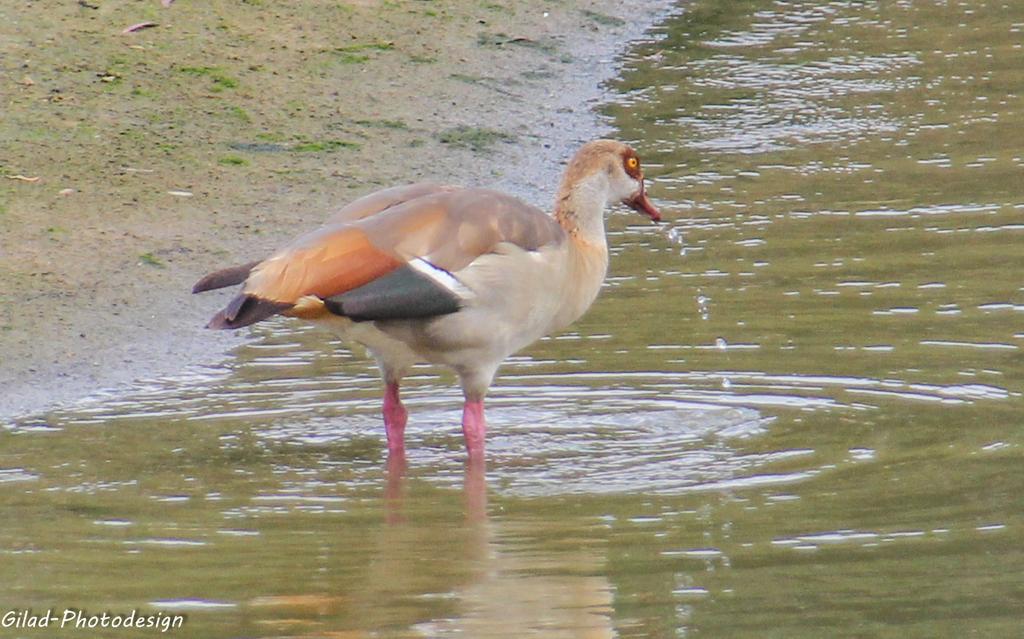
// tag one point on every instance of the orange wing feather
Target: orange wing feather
(323, 264)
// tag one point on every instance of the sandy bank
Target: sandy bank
(221, 132)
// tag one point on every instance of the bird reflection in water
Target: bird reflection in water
(474, 488)
(511, 588)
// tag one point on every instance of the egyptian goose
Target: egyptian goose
(446, 275)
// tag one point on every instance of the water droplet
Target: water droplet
(675, 236)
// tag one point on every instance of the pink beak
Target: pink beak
(642, 204)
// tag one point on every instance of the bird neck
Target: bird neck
(579, 208)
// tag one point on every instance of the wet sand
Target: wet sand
(134, 163)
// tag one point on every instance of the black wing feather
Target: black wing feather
(405, 293)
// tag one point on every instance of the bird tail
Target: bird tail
(246, 309)
(224, 277)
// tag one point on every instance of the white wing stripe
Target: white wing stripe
(442, 278)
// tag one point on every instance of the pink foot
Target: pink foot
(395, 417)
(474, 428)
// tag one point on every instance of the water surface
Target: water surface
(794, 411)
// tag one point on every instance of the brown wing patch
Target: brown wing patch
(324, 263)
(452, 229)
(384, 199)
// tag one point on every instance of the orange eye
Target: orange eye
(632, 163)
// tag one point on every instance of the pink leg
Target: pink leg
(474, 427)
(475, 488)
(394, 489)
(395, 417)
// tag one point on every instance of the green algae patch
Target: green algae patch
(474, 138)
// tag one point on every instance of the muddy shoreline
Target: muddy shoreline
(135, 163)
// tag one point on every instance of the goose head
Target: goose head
(605, 173)
(627, 181)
